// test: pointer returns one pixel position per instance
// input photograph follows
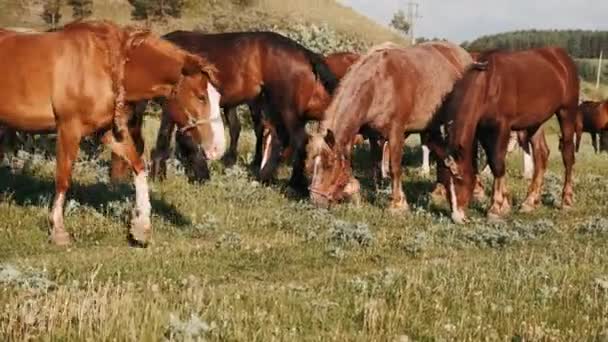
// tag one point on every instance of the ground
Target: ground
(235, 260)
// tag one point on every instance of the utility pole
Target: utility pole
(413, 15)
(599, 70)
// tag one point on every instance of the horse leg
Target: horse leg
(234, 126)
(162, 150)
(141, 229)
(255, 109)
(193, 159)
(271, 153)
(68, 144)
(540, 153)
(298, 140)
(3, 142)
(376, 154)
(395, 146)
(594, 142)
(496, 143)
(567, 119)
(119, 169)
(426, 155)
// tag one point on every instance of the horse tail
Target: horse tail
(323, 72)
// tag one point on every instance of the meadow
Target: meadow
(235, 260)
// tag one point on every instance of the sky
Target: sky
(460, 20)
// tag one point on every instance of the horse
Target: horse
(92, 70)
(510, 91)
(338, 64)
(388, 92)
(294, 83)
(595, 119)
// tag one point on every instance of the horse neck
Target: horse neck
(465, 116)
(152, 72)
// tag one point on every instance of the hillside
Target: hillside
(215, 16)
(580, 43)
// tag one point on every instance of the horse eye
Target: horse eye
(203, 98)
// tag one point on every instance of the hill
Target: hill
(580, 43)
(309, 18)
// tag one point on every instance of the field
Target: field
(234, 260)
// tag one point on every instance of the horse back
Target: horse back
(537, 81)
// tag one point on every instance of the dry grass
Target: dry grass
(224, 16)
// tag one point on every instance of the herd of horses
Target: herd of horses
(97, 78)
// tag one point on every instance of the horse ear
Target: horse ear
(330, 139)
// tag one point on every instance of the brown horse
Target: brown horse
(295, 82)
(388, 92)
(338, 64)
(91, 71)
(595, 119)
(512, 91)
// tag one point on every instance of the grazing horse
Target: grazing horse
(388, 92)
(296, 84)
(595, 119)
(91, 71)
(510, 91)
(338, 64)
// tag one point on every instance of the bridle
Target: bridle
(193, 122)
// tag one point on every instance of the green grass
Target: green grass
(234, 260)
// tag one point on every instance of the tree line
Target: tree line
(579, 43)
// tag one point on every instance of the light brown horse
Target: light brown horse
(388, 92)
(513, 91)
(595, 119)
(91, 71)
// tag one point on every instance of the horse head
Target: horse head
(158, 68)
(330, 171)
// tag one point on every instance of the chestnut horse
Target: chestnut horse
(511, 91)
(91, 70)
(338, 64)
(295, 82)
(595, 119)
(388, 92)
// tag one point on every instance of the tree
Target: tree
(156, 10)
(81, 8)
(400, 23)
(51, 12)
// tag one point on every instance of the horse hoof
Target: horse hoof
(355, 200)
(495, 217)
(229, 160)
(141, 231)
(527, 208)
(459, 218)
(399, 208)
(60, 238)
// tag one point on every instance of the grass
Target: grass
(234, 260)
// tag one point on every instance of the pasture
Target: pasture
(234, 260)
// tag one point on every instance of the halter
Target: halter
(193, 122)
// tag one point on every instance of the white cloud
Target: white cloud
(460, 20)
